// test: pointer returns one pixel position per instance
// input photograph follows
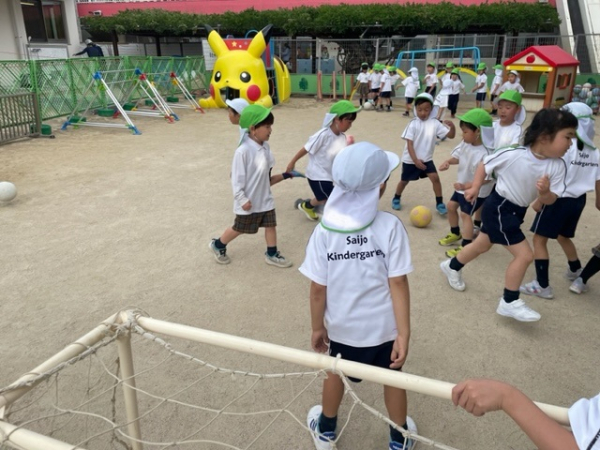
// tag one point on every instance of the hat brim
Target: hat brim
(393, 161)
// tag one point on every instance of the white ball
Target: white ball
(8, 191)
(368, 105)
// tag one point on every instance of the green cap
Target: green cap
(478, 117)
(511, 96)
(456, 71)
(449, 65)
(343, 107)
(498, 67)
(431, 64)
(253, 115)
(482, 66)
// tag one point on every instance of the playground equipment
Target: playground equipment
(240, 72)
(169, 84)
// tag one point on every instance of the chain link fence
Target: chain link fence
(59, 84)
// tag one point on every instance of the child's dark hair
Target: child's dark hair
(349, 116)
(548, 122)
(269, 120)
(233, 111)
(422, 100)
(468, 125)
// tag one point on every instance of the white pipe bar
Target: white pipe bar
(105, 125)
(117, 104)
(130, 394)
(22, 438)
(146, 113)
(69, 352)
(386, 377)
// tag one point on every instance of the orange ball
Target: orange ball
(420, 216)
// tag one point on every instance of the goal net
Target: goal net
(134, 383)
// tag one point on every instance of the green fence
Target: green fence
(61, 83)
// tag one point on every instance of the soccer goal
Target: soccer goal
(133, 383)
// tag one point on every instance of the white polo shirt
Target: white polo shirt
(411, 86)
(386, 82)
(469, 157)
(356, 268)
(431, 79)
(250, 178)
(517, 172)
(505, 136)
(457, 85)
(583, 170)
(363, 77)
(508, 86)
(481, 79)
(584, 418)
(423, 133)
(375, 80)
(322, 148)
(496, 83)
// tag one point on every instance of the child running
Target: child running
(358, 260)
(454, 96)
(524, 174)
(468, 155)
(251, 179)
(431, 80)
(322, 148)
(411, 87)
(480, 85)
(363, 83)
(559, 220)
(495, 88)
(417, 160)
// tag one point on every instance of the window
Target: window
(563, 81)
(44, 20)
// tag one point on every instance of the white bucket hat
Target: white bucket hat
(358, 171)
(237, 104)
(585, 121)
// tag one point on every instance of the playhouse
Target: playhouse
(539, 62)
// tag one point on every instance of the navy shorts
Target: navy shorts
(465, 206)
(409, 100)
(480, 97)
(386, 94)
(378, 356)
(502, 220)
(410, 172)
(321, 189)
(375, 91)
(431, 91)
(560, 218)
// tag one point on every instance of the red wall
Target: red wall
(221, 6)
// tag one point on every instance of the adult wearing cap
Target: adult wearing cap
(495, 88)
(357, 260)
(480, 88)
(92, 50)
(559, 220)
(251, 181)
(322, 148)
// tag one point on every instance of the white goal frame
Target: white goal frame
(120, 325)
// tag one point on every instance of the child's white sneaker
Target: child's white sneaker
(277, 260)
(409, 444)
(572, 276)
(454, 276)
(534, 288)
(323, 441)
(518, 310)
(578, 286)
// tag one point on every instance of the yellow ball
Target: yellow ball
(420, 216)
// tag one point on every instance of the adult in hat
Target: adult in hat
(92, 50)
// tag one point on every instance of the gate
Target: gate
(19, 116)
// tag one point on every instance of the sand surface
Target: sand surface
(105, 220)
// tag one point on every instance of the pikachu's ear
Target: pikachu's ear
(215, 41)
(260, 41)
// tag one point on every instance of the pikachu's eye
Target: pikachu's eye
(245, 77)
(218, 76)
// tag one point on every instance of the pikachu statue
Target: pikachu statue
(241, 72)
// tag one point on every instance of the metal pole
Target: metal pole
(130, 395)
(23, 438)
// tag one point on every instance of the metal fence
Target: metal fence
(328, 55)
(59, 84)
(19, 116)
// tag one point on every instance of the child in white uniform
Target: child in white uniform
(431, 80)
(385, 92)
(322, 148)
(480, 396)
(468, 154)
(511, 116)
(480, 85)
(411, 87)
(559, 220)
(375, 80)
(495, 87)
(512, 84)
(251, 180)
(358, 260)
(441, 101)
(363, 83)
(417, 160)
(457, 88)
(524, 174)
(234, 109)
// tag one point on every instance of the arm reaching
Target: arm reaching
(452, 131)
(449, 162)
(301, 153)
(478, 180)
(479, 396)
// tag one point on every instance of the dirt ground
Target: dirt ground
(105, 220)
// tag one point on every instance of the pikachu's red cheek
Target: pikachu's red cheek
(211, 89)
(253, 93)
